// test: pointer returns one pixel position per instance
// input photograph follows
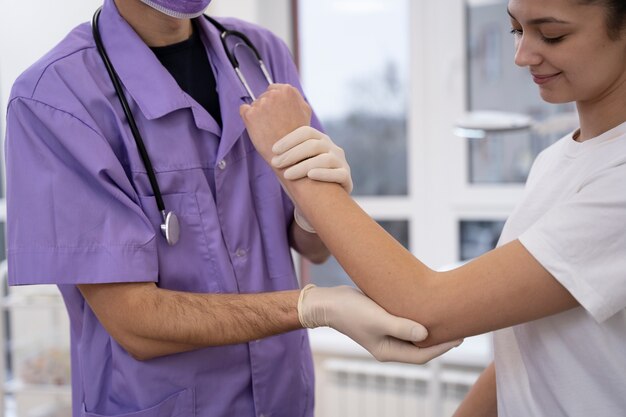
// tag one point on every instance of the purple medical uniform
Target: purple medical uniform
(81, 210)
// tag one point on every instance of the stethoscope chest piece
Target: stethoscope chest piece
(170, 228)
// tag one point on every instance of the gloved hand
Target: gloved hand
(349, 311)
(307, 152)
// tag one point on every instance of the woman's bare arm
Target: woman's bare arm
(481, 401)
(504, 287)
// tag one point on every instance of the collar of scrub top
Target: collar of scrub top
(232, 93)
(125, 48)
(225, 35)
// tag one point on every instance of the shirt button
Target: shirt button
(240, 253)
(221, 164)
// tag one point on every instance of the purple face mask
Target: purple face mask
(181, 9)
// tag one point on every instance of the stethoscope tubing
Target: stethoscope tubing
(128, 113)
(170, 227)
(224, 35)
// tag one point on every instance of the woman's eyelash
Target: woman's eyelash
(519, 32)
(552, 40)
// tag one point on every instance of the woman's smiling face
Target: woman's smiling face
(567, 48)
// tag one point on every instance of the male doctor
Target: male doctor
(210, 326)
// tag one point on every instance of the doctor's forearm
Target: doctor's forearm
(308, 244)
(149, 321)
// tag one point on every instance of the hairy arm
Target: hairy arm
(150, 322)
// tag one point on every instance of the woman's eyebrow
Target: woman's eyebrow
(540, 20)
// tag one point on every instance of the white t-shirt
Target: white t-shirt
(572, 219)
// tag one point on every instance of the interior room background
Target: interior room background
(389, 79)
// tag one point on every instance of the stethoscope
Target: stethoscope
(170, 227)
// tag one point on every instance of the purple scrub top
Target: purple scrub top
(81, 210)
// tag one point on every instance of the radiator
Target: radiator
(358, 388)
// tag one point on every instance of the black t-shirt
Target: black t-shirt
(188, 63)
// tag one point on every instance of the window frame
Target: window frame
(439, 193)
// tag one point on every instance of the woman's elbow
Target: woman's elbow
(435, 310)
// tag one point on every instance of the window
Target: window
(388, 80)
(498, 166)
(478, 237)
(356, 79)
(354, 64)
(495, 83)
(330, 273)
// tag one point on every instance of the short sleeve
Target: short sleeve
(72, 213)
(582, 243)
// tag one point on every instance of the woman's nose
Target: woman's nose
(526, 52)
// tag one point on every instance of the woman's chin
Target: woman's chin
(553, 97)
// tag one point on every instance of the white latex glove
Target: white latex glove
(307, 152)
(349, 311)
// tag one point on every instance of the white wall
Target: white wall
(28, 29)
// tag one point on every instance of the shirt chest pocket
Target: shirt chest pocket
(187, 265)
(180, 404)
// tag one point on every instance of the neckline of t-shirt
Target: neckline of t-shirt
(189, 43)
(574, 148)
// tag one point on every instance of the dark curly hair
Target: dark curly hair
(615, 15)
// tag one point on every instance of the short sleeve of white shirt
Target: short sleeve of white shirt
(581, 241)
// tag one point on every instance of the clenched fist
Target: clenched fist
(278, 111)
